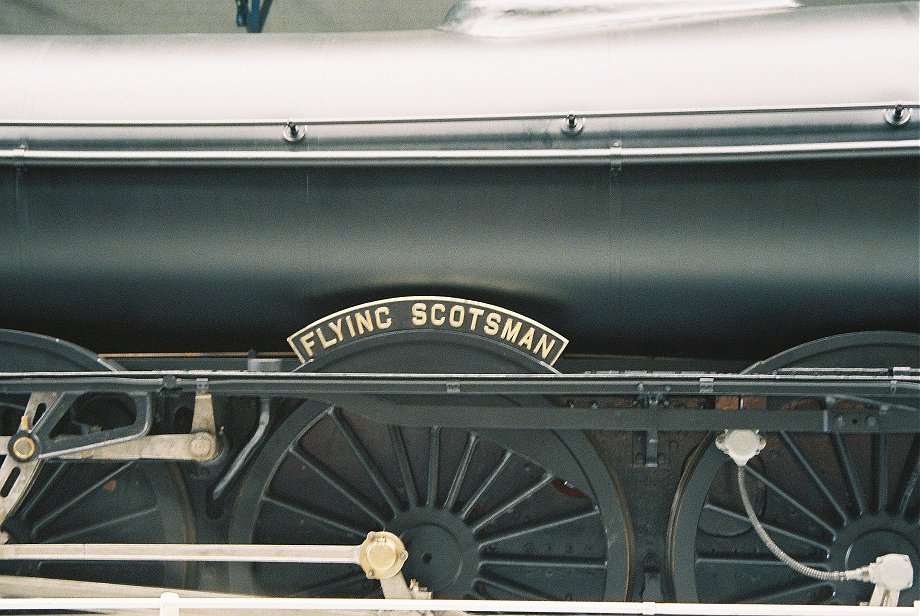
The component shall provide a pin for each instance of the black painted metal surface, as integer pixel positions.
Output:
(739, 260)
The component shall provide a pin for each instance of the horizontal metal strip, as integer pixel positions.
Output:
(588, 156)
(551, 115)
(274, 383)
(627, 420)
(455, 607)
(363, 394)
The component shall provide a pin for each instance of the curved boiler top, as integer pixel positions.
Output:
(775, 77)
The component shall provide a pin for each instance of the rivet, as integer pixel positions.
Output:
(572, 125)
(899, 115)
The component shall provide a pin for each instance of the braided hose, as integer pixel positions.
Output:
(828, 576)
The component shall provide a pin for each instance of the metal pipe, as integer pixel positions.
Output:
(217, 494)
(550, 115)
(598, 156)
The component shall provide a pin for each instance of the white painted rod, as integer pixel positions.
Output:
(182, 552)
(170, 602)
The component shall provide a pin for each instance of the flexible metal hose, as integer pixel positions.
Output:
(828, 576)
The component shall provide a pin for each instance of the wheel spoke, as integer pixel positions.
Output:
(405, 467)
(564, 563)
(36, 496)
(465, 512)
(460, 475)
(512, 588)
(374, 593)
(58, 511)
(365, 460)
(536, 528)
(434, 446)
(777, 595)
(340, 486)
(911, 483)
(850, 473)
(815, 477)
(756, 561)
(511, 503)
(881, 472)
(108, 523)
(792, 501)
(306, 513)
(349, 579)
(773, 529)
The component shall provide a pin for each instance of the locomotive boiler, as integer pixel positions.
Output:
(629, 208)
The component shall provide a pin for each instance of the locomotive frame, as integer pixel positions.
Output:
(627, 418)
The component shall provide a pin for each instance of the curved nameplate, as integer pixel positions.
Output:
(432, 314)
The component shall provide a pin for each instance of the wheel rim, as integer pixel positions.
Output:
(478, 518)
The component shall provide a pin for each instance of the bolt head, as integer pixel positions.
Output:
(899, 115)
(202, 446)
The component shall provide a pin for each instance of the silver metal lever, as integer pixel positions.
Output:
(381, 555)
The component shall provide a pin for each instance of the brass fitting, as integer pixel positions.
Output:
(382, 555)
(23, 448)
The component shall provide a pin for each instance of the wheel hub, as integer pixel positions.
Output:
(435, 556)
(866, 539)
(442, 549)
(882, 537)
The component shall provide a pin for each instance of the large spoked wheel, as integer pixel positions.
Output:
(478, 518)
(834, 502)
(123, 502)
(483, 514)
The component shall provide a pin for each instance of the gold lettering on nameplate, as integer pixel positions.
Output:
(445, 314)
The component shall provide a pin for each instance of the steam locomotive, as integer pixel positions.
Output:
(663, 220)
